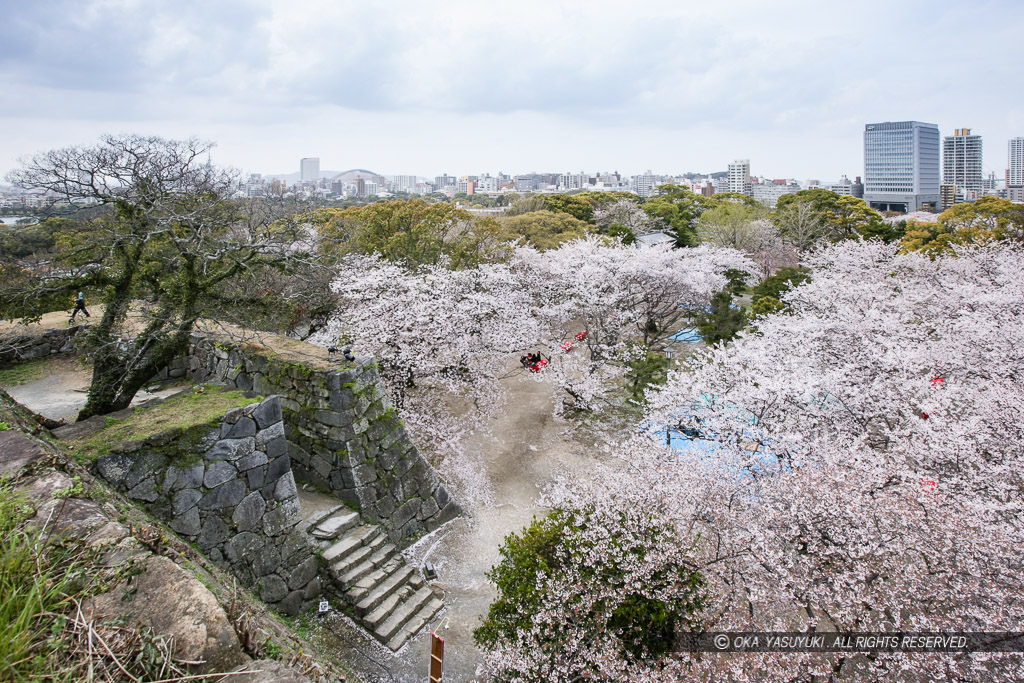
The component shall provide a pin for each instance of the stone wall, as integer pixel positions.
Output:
(343, 436)
(231, 491)
(21, 348)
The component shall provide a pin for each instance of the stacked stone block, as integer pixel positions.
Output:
(232, 492)
(21, 348)
(342, 434)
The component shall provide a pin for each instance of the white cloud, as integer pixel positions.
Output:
(666, 85)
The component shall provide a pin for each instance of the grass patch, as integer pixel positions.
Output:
(38, 581)
(204, 405)
(24, 373)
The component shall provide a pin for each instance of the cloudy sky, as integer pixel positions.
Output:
(470, 87)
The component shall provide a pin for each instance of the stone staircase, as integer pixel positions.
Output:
(390, 599)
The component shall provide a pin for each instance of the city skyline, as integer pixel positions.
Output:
(426, 90)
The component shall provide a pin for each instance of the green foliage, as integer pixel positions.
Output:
(651, 369)
(727, 223)
(22, 241)
(722, 322)
(883, 230)
(576, 205)
(579, 205)
(623, 233)
(737, 280)
(36, 581)
(679, 208)
(766, 305)
(534, 559)
(779, 282)
(987, 219)
(736, 198)
(415, 232)
(544, 229)
(840, 216)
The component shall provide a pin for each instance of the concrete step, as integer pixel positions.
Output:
(371, 544)
(416, 623)
(380, 592)
(355, 538)
(318, 517)
(402, 613)
(383, 611)
(352, 572)
(360, 588)
(335, 525)
(354, 559)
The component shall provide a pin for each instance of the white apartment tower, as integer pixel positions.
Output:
(739, 176)
(1015, 163)
(309, 169)
(901, 165)
(961, 160)
(645, 184)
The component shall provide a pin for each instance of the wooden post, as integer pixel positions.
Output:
(436, 657)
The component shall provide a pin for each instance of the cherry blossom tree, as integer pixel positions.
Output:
(443, 340)
(602, 304)
(628, 214)
(859, 470)
(864, 468)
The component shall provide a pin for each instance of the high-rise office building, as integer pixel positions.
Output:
(309, 169)
(1015, 163)
(901, 165)
(961, 160)
(739, 176)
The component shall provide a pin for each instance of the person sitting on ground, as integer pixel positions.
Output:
(79, 306)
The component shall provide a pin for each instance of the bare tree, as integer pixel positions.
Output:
(171, 245)
(800, 225)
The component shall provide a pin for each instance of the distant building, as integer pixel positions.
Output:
(404, 183)
(1015, 164)
(739, 176)
(443, 181)
(948, 192)
(961, 160)
(309, 169)
(645, 183)
(525, 183)
(654, 238)
(901, 165)
(857, 189)
(842, 186)
(768, 193)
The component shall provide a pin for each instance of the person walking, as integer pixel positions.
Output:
(79, 306)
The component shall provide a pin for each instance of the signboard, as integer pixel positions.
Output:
(436, 657)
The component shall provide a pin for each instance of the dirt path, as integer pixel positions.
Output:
(525, 451)
(61, 392)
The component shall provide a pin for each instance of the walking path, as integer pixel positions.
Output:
(526, 451)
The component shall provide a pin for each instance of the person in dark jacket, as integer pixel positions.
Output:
(79, 306)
